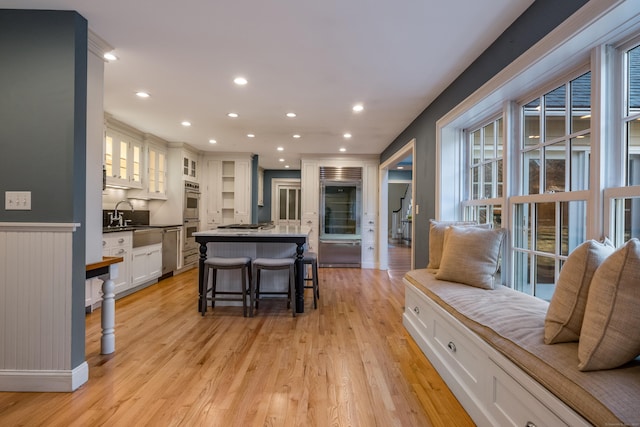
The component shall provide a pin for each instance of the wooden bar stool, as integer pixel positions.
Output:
(220, 263)
(311, 259)
(260, 264)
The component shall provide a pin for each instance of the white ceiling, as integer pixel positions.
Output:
(315, 58)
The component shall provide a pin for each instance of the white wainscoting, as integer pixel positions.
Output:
(35, 306)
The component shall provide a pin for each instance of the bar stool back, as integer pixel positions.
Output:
(220, 263)
(260, 264)
(311, 259)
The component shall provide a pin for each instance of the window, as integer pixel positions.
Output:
(485, 150)
(549, 219)
(623, 202)
(570, 110)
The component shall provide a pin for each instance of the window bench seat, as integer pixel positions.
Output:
(488, 347)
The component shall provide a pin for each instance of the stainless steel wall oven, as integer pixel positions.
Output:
(191, 218)
(191, 200)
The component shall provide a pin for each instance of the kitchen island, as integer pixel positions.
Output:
(254, 240)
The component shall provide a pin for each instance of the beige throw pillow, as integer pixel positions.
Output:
(566, 310)
(436, 238)
(610, 335)
(471, 255)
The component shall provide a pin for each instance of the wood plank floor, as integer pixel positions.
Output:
(348, 363)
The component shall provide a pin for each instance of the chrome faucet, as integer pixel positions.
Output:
(117, 216)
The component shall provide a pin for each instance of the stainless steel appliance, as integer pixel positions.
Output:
(190, 247)
(340, 216)
(191, 218)
(170, 253)
(191, 200)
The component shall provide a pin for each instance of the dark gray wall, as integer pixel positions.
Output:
(43, 87)
(536, 22)
(264, 212)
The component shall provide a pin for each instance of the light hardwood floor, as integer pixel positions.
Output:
(348, 363)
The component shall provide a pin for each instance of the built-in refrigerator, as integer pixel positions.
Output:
(340, 214)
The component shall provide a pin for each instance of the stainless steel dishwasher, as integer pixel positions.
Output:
(170, 253)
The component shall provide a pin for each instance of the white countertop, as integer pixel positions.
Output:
(275, 231)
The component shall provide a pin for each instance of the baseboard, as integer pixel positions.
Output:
(44, 381)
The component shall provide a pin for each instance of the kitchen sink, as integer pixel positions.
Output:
(144, 236)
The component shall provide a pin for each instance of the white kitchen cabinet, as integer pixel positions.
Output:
(214, 194)
(369, 233)
(369, 223)
(123, 159)
(146, 264)
(242, 192)
(92, 292)
(190, 166)
(228, 192)
(157, 172)
(119, 244)
(310, 188)
(310, 201)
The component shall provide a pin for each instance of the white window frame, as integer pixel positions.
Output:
(582, 39)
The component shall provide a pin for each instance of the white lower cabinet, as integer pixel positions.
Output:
(92, 292)
(146, 264)
(369, 231)
(119, 244)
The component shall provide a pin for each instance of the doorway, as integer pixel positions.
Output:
(397, 176)
(285, 209)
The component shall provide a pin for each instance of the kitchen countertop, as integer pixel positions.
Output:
(274, 231)
(137, 227)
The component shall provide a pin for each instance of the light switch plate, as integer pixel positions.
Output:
(17, 200)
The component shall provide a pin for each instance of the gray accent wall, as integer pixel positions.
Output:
(43, 87)
(264, 212)
(536, 22)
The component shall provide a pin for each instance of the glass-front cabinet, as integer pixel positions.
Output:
(157, 172)
(123, 160)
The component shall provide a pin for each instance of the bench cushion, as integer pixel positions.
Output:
(513, 324)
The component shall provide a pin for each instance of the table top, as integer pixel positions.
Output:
(275, 231)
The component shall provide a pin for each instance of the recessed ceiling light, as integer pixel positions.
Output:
(212, 141)
(286, 166)
(280, 148)
(186, 123)
(358, 107)
(142, 94)
(250, 135)
(281, 160)
(291, 115)
(240, 81)
(347, 135)
(400, 167)
(109, 56)
(233, 115)
(296, 136)
(343, 149)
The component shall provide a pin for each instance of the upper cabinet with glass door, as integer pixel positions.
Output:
(157, 180)
(123, 160)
